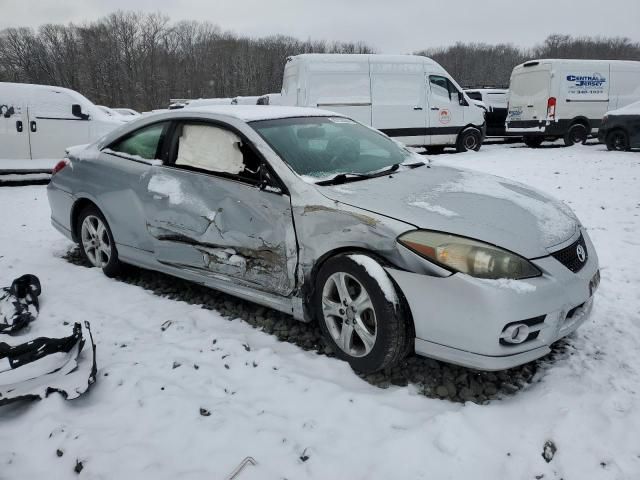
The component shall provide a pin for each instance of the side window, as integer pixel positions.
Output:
(142, 143)
(51, 104)
(216, 150)
(442, 87)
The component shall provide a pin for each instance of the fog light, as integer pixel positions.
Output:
(517, 333)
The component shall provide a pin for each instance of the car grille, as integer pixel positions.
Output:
(569, 257)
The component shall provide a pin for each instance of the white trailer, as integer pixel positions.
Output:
(557, 98)
(408, 97)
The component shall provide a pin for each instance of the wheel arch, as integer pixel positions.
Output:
(309, 285)
(78, 206)
(581, 120)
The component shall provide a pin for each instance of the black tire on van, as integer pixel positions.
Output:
(469, 139)
(577, 133)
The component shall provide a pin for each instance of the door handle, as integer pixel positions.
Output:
(417, 108)
(435, 108)
(32, 126)
(19, 126)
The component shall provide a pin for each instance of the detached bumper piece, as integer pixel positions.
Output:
(44, 365)
(19, 304)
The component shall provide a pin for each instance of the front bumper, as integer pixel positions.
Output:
(459, 319)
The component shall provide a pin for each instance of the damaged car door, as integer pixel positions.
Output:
(215, 207)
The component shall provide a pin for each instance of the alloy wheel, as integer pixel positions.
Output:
(349, 314)
(95, 241)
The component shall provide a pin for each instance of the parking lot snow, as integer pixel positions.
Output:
(184, 393)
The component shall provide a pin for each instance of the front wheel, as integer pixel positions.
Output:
(96, 241)
(470, 139)
(617, 140)
(359, 312)
(577, 133)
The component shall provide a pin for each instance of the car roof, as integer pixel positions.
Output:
(250, 113)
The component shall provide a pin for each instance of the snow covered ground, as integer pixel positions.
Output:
(303, 415)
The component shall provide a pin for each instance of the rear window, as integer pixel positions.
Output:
(142, 143)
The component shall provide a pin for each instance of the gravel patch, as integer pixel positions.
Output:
(433, 378)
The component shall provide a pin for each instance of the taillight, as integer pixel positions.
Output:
(551, 108)
(60, 165)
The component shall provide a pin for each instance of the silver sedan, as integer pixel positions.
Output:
(313, 214)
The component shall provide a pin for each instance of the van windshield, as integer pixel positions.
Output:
(321, 147)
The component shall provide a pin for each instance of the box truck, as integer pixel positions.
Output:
(38, 122)
(555, 98)
(408, 97)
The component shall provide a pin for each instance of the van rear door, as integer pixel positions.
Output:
(529, 89)
(14, 131)
(398, 101)
(52, 126)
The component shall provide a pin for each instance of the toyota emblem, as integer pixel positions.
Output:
(582, 255)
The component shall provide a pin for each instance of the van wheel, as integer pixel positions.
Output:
(577, 133)
(352, 305)
(469, 139)
(617, 140)
(96, 241)
(533, 142)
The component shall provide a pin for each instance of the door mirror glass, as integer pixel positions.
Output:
(461, 100)
(76, 111)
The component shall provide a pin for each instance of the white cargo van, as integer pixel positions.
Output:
(555, 98)
(38, 122)
(496, 100)
(408, 97)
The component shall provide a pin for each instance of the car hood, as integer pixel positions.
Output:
(465, 202)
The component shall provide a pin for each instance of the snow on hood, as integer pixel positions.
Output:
(464, 202)
(631, 109)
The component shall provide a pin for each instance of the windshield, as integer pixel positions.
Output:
(321, 147)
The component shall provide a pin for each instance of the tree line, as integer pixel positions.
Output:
(142, 60)
(479, 64)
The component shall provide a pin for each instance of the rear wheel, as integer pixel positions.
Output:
(533, 142)
(359, 312)
(617, 140)
(577, 133)
(96, 241)
(470, 139)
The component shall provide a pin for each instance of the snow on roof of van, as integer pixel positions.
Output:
(372, 57)
(536, 61)
(250, 113)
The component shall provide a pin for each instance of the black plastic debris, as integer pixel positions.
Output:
(41, 366)
(19, 304)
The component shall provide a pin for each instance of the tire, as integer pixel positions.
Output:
(96, 241)
(533, 142)
(370, 333)
(470, 139)
(434, 149)
(617, 140)
(577, 133)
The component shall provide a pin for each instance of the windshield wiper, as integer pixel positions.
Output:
(354, 177)
(344, 178)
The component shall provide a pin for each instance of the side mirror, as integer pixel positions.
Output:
(461, 100)
(76, 111)
(266, 181)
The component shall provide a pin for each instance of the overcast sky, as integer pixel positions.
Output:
(391, 26)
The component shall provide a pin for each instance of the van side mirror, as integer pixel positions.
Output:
(76, 111)
(461, 100)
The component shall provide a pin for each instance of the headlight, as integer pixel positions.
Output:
(465, 255)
